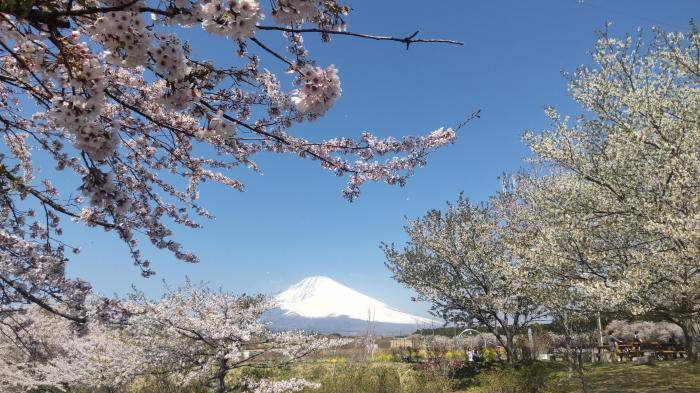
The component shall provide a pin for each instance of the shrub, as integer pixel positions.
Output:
(161, 384)
(535, 377)
(491, 355)
(377, 378)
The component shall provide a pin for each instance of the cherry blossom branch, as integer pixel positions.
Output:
(25, 66)
(39, 302)
(52, 18)
(279, 139)
(133, 108)
(408, 40)
(45, 200)
(272, 52)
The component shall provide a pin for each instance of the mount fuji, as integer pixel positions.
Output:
(321, 304)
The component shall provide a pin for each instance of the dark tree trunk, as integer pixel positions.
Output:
(221, 377)
(690, 334)
(511, 352)
(574, 354)
(581, 375)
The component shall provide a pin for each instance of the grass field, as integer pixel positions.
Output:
(661, 377)
(539, 377)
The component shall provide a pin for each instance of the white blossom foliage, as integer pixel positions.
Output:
(289, 385)
(198, 334)
(236, 19)
(291, 12)
(459, 261)
(319, 89)
(41, 350)
(617, 212)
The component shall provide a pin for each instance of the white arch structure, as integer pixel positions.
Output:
(461, 334)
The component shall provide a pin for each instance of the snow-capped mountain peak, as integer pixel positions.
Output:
(323, 297)
(305, 288)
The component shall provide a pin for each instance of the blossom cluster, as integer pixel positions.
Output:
(288, 385)
(295, 12)
(235, 19)
(319, 89)
(220, 127)
(34, 270)
(277, 101)
(80, 115)
(180, 95)
(99, 187)
(124, 36)
(169, 59)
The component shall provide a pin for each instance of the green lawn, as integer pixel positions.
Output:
(661, 377)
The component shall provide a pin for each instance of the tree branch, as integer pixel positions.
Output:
(408, 40)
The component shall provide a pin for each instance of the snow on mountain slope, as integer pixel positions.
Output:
(322, 297)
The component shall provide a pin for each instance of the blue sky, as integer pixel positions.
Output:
(291, 222)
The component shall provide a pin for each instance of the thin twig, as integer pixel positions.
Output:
(408, 40)
(272, 52)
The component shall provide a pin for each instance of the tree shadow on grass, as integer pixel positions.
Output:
(661, 377)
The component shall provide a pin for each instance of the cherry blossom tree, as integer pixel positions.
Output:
(620, 212)
(42, 351)
(581, 264)
(109, 92)
(460, 262)
(192, 334)
(648, 331)
(197, 334)
(540, 236)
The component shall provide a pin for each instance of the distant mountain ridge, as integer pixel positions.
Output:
(323, 305)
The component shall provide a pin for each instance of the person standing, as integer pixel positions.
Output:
(636, 338)
(612, 345)
(470, 354)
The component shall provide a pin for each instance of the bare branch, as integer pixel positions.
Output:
(408, 40)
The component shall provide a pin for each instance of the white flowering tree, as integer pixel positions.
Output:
(621, 208)
(197, 334)
(42, 351)
(460, 262)
(581, 263)
(109, 92)
(648, 331)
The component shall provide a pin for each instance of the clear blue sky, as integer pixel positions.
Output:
(292, 221)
